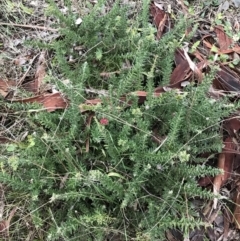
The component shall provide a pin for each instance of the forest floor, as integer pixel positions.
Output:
(25, 66)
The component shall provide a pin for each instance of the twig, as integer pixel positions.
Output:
(29, 26)
(95, 91)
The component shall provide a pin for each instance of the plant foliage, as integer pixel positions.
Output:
(127, 183)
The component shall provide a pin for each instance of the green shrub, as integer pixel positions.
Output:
(127, 184)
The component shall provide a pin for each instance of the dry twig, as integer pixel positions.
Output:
(29, 26)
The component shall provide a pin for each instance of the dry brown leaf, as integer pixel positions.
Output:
(198, 55)
(142, 95)
(226, 79)
(235, 48)
(161, 27)
(216, 49)
(205, 181)
(50, 101)
(224, 40)
(193, 66)
(30, 86)
(183, 68)
(4, 139)
(159, 19)
(225, 163)
(54, 101)
(5, 87)
(179, 73)
(207, 44)
(179, 56)
(232, 126)
(5, 224)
